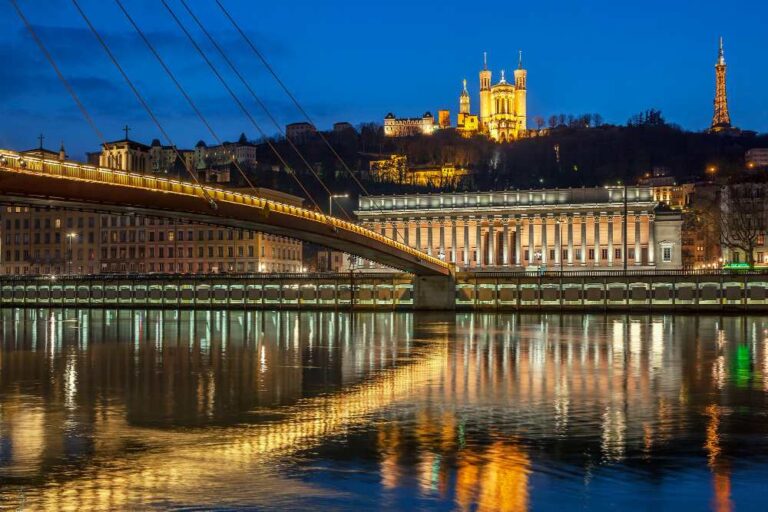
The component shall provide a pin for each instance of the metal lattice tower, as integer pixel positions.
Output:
(721, 120)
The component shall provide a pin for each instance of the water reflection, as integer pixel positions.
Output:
(111, 409)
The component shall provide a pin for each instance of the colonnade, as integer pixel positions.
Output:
(554, 240)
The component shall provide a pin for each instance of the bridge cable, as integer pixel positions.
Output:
(301, 109)
(181, 89)
(143, 102)
(61, 76)
(261, 104)
(242, 107)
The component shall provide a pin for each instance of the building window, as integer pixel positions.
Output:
(591, 254)
(617, 254)
(666, 253)
(630, 254)
(604, 254)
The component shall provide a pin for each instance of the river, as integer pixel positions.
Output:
(120, 409)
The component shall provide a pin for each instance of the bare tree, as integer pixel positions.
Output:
(552, 121)
(539, 122)
(597, 119)
(743, 217)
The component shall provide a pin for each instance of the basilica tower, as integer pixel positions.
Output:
(485, 94)
(520, 93)
(464, 100)
(721, 120)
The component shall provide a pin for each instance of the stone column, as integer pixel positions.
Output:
(479, 243)
(466, 241)
(505, 243)
(531, 255)
(442, 252)
(453, 241)
(570, 240)
(394, 229)
(544, 247)
(558, 245)
(598, 219)
(429, 237)
(583, 220)
(418, 235)
(610, 240)
(407, 231)
(651, 241)
(518, 240)
(491, 241)
(638, 254)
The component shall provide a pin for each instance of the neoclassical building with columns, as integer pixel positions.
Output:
(554, 229)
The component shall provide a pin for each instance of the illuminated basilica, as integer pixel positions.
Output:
(502, 106)
(502, 115)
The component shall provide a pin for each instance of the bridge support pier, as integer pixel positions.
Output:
(436, 293)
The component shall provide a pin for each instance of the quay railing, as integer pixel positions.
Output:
(680, 291)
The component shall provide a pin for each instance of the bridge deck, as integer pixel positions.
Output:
(68, 184)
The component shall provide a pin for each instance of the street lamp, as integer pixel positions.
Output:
(331, 197)
(330, 201)
(70, 237)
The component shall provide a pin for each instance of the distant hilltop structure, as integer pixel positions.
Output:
(721, 119)
(502, 116)
(408, 126)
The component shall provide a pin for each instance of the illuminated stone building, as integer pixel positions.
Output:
(395, 169)
(502, 117)
(211, 163)
(503, 106)
(216, 164)
(443, 119)
(570, 229)
(408, 126)
(133, 156)
(125, 155)
(52, 241)
(467, 124)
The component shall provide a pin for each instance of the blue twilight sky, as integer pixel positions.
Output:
(357, 60)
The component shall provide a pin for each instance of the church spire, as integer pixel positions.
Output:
(520, 59)
(485, 61)
(464, 82)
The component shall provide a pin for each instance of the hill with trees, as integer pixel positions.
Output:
(571, 152)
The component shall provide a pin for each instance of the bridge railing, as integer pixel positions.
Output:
(89, 173)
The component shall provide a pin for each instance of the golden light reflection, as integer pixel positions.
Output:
(190, 462)
(450, 417)
(721, 478)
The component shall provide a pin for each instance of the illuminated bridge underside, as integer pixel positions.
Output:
(64, 184)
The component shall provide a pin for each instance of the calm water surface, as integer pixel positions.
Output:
(152, 409)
